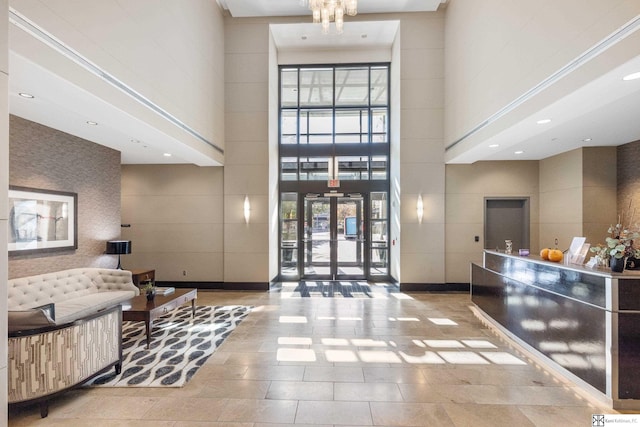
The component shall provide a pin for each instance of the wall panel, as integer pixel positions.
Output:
(467, 186)
(175, 213)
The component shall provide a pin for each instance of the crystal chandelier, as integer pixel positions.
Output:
(325, 11)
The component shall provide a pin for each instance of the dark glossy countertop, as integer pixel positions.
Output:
(604, 272)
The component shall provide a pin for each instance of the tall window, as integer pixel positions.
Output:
(344, 109)
(334, 135)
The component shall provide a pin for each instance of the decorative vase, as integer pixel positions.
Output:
(508, 246)
(617, 264)
(151, 295)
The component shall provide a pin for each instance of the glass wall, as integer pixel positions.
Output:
(334, 142)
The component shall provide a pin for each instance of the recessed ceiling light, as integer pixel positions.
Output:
(586, 139)
(494, 146)
(543, 121)
(518, 152)
(167, 154)
(633, 76)
(92, 123)
(26, 95)
(364, 36)
(135, 141)
(303, 37)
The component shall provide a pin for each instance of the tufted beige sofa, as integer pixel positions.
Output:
(76, 337)
(75, 293)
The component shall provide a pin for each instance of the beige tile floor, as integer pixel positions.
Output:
(418, 359)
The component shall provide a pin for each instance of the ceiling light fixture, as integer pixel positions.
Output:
(26, 95)
(326, 11)
(494, 146)
(633, 76)
(167, 154)
(587, 140)
(543, 121)
(518, 152)
(92, 123)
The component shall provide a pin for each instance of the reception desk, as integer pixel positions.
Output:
(584, 323)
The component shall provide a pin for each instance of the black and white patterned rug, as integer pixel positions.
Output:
(179, 346)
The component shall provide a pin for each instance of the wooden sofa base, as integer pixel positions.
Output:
(44, 363)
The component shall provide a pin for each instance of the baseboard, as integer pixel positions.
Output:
(227, 286)
(246, 286)
(434, 287)
(264, 286)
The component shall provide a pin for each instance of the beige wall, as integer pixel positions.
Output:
(44, 158)
(571, 194)
(422, 169)
(4, 184)
(577, 196)
(246, 170)
(498, 50)
(561, 199)
(176, 218)
(466, 188)
(421, 164)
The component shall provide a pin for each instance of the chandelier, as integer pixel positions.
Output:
(326, 11)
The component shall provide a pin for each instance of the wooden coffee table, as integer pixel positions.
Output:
(139, 309)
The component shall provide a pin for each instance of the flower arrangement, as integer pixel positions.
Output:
(619, 243)
(149, 289)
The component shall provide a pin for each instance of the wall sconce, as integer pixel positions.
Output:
(246, 209)
(420, 208)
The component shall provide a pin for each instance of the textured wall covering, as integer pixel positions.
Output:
(629, 178)
(41, 157)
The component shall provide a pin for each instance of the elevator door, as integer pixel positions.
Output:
(506, 218)
(334, 241)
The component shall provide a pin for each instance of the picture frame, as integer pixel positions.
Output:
(42, 220)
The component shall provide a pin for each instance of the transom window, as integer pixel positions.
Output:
(334, 115)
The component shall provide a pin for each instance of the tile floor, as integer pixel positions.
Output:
(417, 359)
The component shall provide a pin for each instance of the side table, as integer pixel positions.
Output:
(142, 275)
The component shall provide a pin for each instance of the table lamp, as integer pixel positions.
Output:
(118, 247)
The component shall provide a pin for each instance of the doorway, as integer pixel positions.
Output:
(333, 242)
(506, 218)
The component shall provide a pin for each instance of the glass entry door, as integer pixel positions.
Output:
(333, 238)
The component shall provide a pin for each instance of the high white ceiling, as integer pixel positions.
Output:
(250, 8)
(604, 110)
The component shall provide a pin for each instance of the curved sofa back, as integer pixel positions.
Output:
(34, 291)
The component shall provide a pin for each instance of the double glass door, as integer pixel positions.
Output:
(333, 243)
(324, 237)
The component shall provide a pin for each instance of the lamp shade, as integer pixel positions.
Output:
(119, 247)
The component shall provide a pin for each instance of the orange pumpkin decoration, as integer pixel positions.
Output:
(555, 255)
(544, 254)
